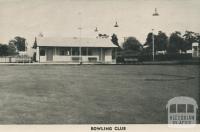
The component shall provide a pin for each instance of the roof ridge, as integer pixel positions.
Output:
(53, 37)
(74, 42)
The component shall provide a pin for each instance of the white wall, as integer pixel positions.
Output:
(37, 54)
(43, 59)
(195, 50)
(61, 58)
(40, 58)
(69, 58)
(108, 55)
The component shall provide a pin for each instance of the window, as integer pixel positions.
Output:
(181, 108)
(89, 51)
(75, 51)
(173, 108)
(62, 52)
(65, 51)
(190, 108)
(42, 52)
(68, 51)
(83, 51)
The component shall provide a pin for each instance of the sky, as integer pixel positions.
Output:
(61, 18)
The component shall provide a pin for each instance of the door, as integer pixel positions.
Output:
(49, 54)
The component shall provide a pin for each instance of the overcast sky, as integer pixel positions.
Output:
(61, 18)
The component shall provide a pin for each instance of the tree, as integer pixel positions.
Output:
(7, 50)
(189, 38)
(133, 44)
(176, 43)
(11, 49)
(114, 40)
(148, 44)
(197, 37)
(19, 42)
(3, 50)
(131, 48)
(161, 41)
(35, 44)
(149, 40)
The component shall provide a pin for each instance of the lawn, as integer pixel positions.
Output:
(81, 94)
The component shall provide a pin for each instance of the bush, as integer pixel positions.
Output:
(167, 57)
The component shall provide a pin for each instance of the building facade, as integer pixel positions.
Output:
(75, 50)
(195, 50)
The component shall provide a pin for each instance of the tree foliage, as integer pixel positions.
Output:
(160, 41)
(197, 38)
(11, 49)
(189, 38)
(19, 42)
(131, 43)
(114, 40)
(3, 50)
(176, 42)
(149, 40)
(7, 50)
(35, 44)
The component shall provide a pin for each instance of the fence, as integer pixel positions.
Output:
(15, 59)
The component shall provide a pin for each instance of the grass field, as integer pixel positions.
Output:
(73, 94)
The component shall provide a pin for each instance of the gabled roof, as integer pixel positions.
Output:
(74, 42)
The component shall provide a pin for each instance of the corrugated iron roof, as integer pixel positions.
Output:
(74, 42)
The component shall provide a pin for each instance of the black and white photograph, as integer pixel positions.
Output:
(100, 62)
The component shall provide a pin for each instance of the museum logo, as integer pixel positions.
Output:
(181, 112)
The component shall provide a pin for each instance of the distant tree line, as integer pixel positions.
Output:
(7, 50)
(173, 46)
(175, 43)
(13, 47)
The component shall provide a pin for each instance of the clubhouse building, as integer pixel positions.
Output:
(75, 50)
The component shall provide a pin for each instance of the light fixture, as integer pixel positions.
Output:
(155, 13)
(96, 29)
(116, 25)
